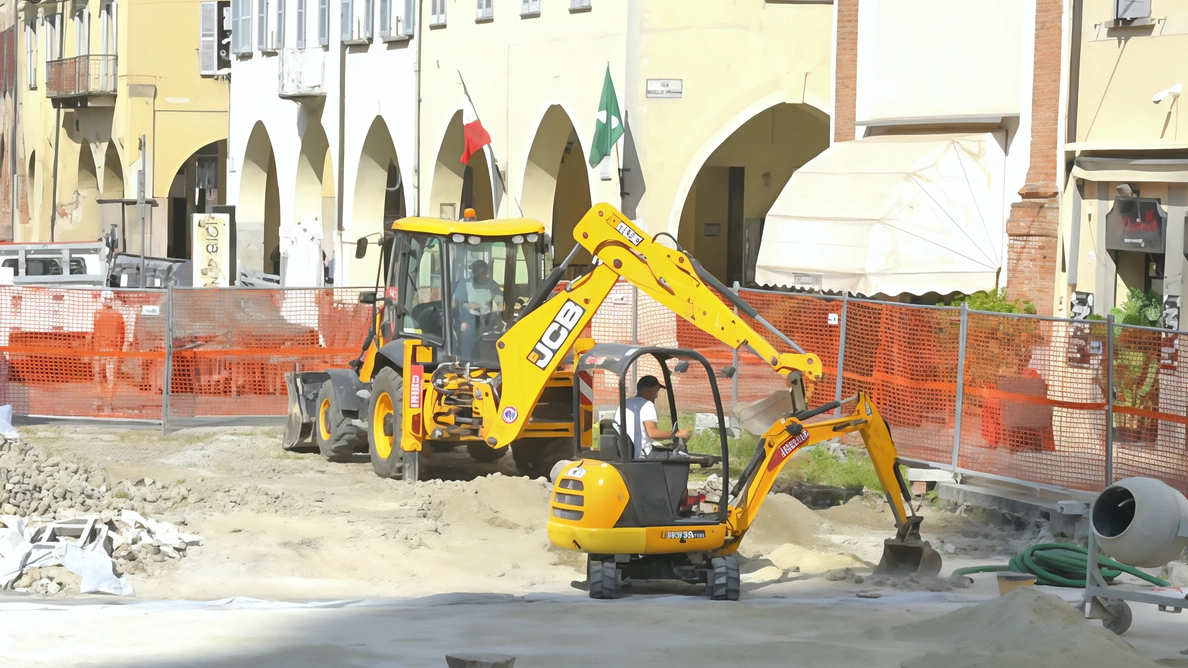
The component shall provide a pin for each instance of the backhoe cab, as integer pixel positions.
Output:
(446, 292)
(633, 514)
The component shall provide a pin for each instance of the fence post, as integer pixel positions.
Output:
(167, 384)
(734, 361)
(1109, 361)
(961, 343)
(841, 352)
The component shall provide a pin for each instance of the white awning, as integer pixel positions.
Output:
(891, 214)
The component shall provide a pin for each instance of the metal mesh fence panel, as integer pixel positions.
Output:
(231, 348)
(1150, 397)
(905, 358)
(82, 353)
(1034, 403)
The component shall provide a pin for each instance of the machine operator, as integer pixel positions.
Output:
(642, 417)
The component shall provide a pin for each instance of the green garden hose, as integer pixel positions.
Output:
(1062, 565)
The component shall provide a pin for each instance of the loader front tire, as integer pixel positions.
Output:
(333, 432)
(535, 457)
(385, 420)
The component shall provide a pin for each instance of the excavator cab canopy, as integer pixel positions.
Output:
(657, 479)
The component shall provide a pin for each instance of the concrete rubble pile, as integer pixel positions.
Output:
(85, 554)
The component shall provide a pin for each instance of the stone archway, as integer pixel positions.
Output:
(556, 187)
(111, 183)
(456, 185)
(380, 197)
(314, 195)
(78, 213)
(257, 214)
(721, 219)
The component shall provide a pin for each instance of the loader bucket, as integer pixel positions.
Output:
(902, 558)
(298, 425)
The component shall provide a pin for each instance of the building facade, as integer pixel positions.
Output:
(939, 136)
(720, 107)
(1126, 195)
(94, 78)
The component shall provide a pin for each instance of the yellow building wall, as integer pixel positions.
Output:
(1119, 77)
(159, 93)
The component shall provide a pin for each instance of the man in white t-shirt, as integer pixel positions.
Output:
(641, 418)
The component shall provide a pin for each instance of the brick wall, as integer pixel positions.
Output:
(846, 70)
(1034, 222)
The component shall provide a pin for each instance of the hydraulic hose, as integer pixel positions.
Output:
(1062, 565)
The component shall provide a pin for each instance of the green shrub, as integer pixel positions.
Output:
(995, 301)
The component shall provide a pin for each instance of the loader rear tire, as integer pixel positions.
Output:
(333, 432)
(725, 583)
(603, 577)
(536, 457)
(385, 423)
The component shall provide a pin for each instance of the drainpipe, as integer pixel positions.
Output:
(13, 183)
(57, 127)
(340, 261)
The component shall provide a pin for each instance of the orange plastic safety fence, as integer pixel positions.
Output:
(231, 348)
(82, 353)
(1034, 406)
(1150, 399)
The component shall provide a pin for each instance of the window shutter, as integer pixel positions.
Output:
(208, 21)
(244, 26)
(368, 18)
(301, 24)
(236, 33)
(347, 19)
(261, 24)
(409, 21)
(323, 22)
(385, 18)
(279, 38)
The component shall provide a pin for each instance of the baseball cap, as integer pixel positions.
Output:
(647, 382)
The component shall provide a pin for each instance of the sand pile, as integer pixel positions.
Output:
(1024, 628)
(782, 520)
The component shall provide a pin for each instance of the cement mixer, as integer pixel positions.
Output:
(1139, 522)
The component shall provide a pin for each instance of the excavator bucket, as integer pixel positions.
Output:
(758, 416)
(908, 554)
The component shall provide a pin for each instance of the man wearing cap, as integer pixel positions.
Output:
(474, 300)
(641, 418)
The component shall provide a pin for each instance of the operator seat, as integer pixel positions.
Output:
(658, 484)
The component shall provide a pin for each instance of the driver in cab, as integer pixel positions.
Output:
(641, 418)
(474, 301)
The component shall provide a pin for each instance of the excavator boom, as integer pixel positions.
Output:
(532, 348)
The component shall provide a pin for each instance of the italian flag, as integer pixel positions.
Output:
(473, 132)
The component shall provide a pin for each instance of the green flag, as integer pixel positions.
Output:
(609, 126)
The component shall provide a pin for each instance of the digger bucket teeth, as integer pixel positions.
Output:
(902, 558)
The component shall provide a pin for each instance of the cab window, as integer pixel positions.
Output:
(420, 288)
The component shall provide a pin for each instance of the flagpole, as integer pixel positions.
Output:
(492, 166)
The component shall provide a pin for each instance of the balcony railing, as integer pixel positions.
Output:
(73, 80)
(302, 73)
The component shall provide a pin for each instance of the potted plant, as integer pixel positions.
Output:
(1136, 367)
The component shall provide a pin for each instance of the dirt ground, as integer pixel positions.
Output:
(461, 563)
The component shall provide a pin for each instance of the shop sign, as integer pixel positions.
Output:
(1136, 224)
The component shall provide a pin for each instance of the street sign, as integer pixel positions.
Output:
(664, 88)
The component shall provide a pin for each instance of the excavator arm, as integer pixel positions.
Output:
(534, 346)
(903, 555)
